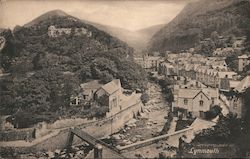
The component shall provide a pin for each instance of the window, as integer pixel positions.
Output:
(235, 103)
(201, 103)
(114, 101)
(235, 106)
(84, 97)
(202, 114)
(212, 100)
(185, 101)
(74, 101)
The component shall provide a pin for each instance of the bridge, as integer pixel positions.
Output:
(172, 139)
(101, 149)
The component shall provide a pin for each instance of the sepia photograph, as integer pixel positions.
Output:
(132, 79)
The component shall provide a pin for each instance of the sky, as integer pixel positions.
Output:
(128, 14)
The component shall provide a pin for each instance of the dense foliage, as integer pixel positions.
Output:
(213, 112)
(232, 62)
(198, 20)
(230, 130)
(45, 72)
(227, 130)
(166, 89)
(208, 47)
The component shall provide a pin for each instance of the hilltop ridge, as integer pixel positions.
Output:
(198, 20)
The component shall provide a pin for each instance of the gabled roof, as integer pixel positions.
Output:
(188, 93)
(243, 85)
(210, 92)
(206, 95)
(112, 86)
(192, 93)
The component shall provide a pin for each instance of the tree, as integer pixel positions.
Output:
(213, 112)
(46, 71)
(207, 48)
(215, 37)
(103, 100)
(70, 88)
(246, 69)
(32, 95)
(144, 98)
(227, 130)
(248, 40)
(232, 62)
(165, 85)
(231, 39)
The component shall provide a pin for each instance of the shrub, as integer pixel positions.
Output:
(144, 98)
(213, 112)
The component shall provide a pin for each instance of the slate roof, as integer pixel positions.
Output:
(112, 86)
(210, 92)
(188, 93)
(192, 93)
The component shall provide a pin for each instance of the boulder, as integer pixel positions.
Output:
(117, 136)
(50, 154)
(134, 139)
(138, 136)
(122, 136)
(162, 155)
(57, 151)
(80, 153)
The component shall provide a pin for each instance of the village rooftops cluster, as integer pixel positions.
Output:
(205, 72)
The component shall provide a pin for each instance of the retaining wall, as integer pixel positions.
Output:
(98, 129)
(19, 134)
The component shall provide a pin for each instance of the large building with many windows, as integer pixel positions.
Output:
(149, 62)
(194, 102)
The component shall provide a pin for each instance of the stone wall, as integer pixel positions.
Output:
(19, 134)
(98, 129)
